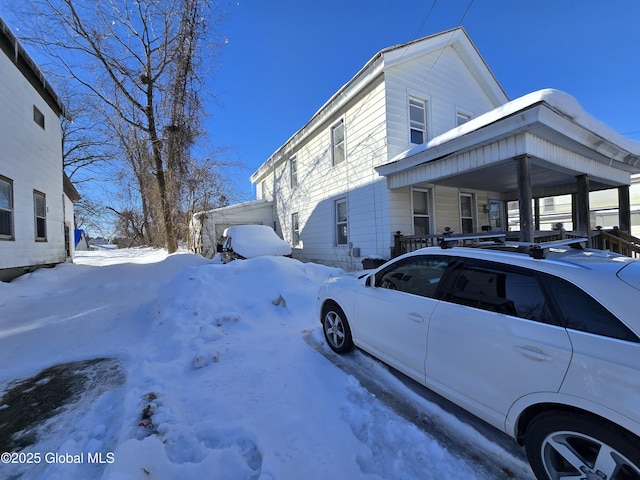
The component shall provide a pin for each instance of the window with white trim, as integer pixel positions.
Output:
(341, 222)
(421, 206)
(338, 152)
(40, 215)
(417, 120)
(295, 230)
(6, 209)
(462, 117)
(293, 171)
(467, 215)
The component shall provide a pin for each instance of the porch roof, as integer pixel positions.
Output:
(549, 126)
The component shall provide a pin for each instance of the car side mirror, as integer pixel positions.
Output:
(370, 281)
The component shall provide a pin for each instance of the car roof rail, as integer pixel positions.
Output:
(539, 250)
(449, 240)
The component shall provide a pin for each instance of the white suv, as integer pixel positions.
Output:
(545, 349)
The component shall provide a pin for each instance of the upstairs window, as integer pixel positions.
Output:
(40, 213)
(462, 117)
(338, 154)
(38, 117)
(417, 120)
(6, 209)
(293, 171)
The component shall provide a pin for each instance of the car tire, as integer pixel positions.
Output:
(336, 328)
(566, 444)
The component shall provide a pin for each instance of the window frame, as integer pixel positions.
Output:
(474, 212)
(10, 211)
(428, 215)
(414, 125)
(293, 171)
(38, 117)
(463, 114)
(37, 217)
(337, 146)
(341, 223)
(295, 229)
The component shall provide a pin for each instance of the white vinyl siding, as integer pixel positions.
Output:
(31, 157)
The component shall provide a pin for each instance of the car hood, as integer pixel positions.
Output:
(630, 274)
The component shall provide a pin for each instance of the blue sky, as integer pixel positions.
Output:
(285, 58)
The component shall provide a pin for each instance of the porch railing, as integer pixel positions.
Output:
(614, 240)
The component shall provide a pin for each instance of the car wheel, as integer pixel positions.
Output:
(568, 445)
(336, 329)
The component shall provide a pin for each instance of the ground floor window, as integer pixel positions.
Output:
(421, 206)
(467, 209)
(6, 209)
(341, 219)
(295, 230)
(40, 212)
(496, 220)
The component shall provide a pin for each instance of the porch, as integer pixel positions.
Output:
(539, 146)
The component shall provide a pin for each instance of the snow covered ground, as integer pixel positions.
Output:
(219, 372)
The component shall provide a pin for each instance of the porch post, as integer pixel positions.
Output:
(536, 214)
(525, 196)
(624, 209)
(582, 205)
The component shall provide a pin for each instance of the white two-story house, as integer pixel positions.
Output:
(36, 210)
(422, 139)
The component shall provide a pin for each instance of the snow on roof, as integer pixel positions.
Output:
(560, 101)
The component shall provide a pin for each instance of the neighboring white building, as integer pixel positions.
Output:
(36, 209)
(423, 138)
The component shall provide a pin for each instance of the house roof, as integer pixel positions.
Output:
(12, 48)
(549, 126)
(456, 38)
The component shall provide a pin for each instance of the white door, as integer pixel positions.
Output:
(393, 315)
(491, 341)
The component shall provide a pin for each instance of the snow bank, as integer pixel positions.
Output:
(217, 382)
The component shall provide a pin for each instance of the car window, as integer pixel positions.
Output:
(580, 311)
(499, 289)
(415, 275)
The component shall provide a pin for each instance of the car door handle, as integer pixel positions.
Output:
(416, 317)
(534, 353)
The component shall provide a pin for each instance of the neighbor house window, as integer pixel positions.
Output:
(40, 212)
(295, 230)
(38, 116)
(467, 212)
(6, 209)
(338, 153)
(462, 117)
(342, 225)
(293, 171)
(417, 120)
(421, 205)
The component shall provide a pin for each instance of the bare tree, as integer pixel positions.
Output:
(140, 59)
